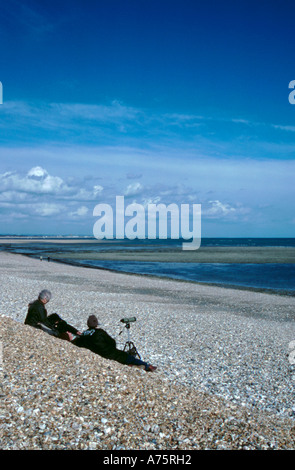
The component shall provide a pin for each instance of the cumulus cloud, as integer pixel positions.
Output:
(37, 172)
(37, 181)
(37, 193)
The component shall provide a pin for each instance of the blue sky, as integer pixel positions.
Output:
(160, 101)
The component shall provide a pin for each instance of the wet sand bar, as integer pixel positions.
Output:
(205, 254)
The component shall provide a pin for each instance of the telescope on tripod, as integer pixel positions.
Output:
(129, 345)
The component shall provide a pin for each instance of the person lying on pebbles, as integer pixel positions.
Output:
(100, 342)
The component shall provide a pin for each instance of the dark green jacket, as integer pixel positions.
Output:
(37, 313)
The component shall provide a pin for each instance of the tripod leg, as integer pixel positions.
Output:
(131, 349)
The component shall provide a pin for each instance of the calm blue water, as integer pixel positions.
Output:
(275, 277)
(279, 277)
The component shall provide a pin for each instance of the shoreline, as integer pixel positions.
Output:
(228, 345)
(69, 262)
(153, 277)
(162, 276)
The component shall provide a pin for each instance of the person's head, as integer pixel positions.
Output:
(92, 321)
(44, 296)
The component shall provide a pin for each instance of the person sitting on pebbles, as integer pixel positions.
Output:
(52, 324)
(100, 342)
(37, 313)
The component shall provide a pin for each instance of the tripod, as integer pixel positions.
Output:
(129, 345)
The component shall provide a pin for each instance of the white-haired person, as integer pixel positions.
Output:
(37, 313)
(52, 324)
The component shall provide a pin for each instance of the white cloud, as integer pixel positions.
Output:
(7, 196)
(218, 209)
(133, 189)
(47, 209)
(37, 172)
(152, 200)
(80, 212)
(36, 193)
(74, 119)
(229, 190)
(97, 189)
(284, 128)
(37, 181)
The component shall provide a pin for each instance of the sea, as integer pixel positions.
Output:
(270, 277)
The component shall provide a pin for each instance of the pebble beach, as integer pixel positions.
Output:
(224, 378)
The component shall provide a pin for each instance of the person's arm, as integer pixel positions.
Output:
(73, 330)
(83, 339)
